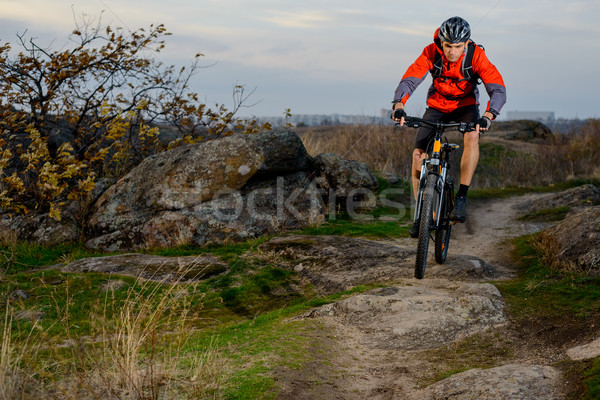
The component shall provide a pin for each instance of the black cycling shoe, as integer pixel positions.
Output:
(414, 230)
(459, 213)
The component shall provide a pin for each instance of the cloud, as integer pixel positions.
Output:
(412, 31)
(304, 19)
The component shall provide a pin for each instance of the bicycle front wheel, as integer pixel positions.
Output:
(427, 218)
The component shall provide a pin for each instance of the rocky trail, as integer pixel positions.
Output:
(394, 342)
(447, 336)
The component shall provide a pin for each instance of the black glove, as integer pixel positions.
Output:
(484, 123)
(399, 113)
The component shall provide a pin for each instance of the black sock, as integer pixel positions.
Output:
(462, 190)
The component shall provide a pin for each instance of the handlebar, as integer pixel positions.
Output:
(463, 127)
(414, 122)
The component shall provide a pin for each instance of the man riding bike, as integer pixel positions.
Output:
(456, 64)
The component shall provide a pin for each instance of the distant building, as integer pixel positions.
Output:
(546, 117)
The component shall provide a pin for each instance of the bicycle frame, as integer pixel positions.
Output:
(436, 164)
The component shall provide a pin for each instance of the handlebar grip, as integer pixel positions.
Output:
(412, 122)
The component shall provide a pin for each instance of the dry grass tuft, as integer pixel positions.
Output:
(135, 351)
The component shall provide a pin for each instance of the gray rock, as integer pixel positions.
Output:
(575, 199)
(227, 189)
(585, 352)
(513, 381)
(156, 268)
(230, 189)
(19, 294)
(572, 245)
(38, 228)
(419, 316)
(345, 178)
(260, 208)
(190, 175)
(336, 263)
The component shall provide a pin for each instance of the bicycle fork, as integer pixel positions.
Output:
(440, 188)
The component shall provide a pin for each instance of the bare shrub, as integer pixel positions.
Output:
(89, 110)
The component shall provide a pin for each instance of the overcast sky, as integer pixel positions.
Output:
(347, 56)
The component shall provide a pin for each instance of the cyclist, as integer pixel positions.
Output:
(451, 97)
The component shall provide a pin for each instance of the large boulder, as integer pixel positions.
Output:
(229, 189)
(190, 175)
(525, 130)
(572, 245)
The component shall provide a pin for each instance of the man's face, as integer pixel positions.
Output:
(453, 51)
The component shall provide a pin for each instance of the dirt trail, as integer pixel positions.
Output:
(375, 345)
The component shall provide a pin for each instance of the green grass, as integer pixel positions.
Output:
(25, 256)
(226, 252)
(60, 304)
(256, 346)
(244, 312)
(388, 220)
(546, 214)
(592, 380)
(379, 229)
(543, 292)
(509, 191)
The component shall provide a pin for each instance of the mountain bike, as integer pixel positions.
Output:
(435, 197)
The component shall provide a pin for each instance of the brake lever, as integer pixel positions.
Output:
(465, 127)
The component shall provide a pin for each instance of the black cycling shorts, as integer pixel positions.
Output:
(462, 114)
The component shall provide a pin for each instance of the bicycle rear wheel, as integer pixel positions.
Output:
(427, 210)
(442, 234)
(442, 240)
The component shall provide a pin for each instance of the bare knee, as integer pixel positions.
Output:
(418, 157)
(471, 139)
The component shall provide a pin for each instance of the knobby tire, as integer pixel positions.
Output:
(425, 225)
(442, 240)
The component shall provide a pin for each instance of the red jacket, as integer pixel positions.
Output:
(448, 92)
